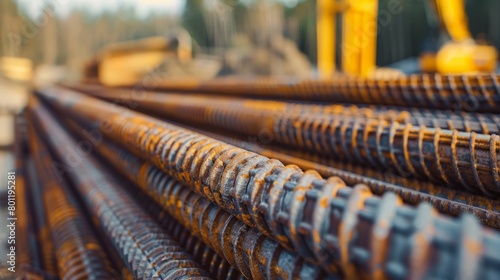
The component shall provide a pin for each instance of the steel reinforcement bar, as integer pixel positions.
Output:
(464, 121)
(217, 265)
(323, 219)
(256, 256)
(28, 256)
(245, 248)
(47, 249)
(144, 246)
(412, 191)
(465, 160)
(175, 104)
(78, 252)
(476, 93)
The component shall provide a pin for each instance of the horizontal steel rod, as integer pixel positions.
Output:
(256, 256)
(346, 227)
(461, 160)
(78, 251)
(462, 121)
(412, 191)
(145, 247)
(475, 93)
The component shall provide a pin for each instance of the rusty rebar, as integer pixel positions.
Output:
(257, 256)
(461, 160)
(145, 247)
(476, 93)
(464, 121)
(412, 191)
(216, 265)
(245, 248)
(322, 219)
(28, 256)
(47, 249)
(181, 107)
(78, 252)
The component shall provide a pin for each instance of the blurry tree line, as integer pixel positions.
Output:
(399, 36)
(215, 25)
(72, 39)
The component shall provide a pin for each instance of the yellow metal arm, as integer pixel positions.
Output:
(325, 26)
(452, 13)
(462, 55)
(359, 37)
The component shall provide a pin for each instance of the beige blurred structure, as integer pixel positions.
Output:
(126, 63)
(16, 68)
(15, 76)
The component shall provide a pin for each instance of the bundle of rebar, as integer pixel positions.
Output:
(258, 214)
(459, 159)
(474, 93)
(268, 179)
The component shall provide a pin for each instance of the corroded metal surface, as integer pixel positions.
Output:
(47, 250)
(452, 119)
(216, 265)
(479, 93)
(27, 248)
(342, 228)
(245, 248)
(467, 161)
(216, 111)
(78, 252)
(411, 191)
(145, 247)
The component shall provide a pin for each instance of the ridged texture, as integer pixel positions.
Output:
(44, 239)
(78, 252)
(459, 120)
(411, 191)
(216, 265)
(27, 247)
(342, 228)
(461, 160)
(144, 246)
(245, 248)
(212, 110)
(478, 93)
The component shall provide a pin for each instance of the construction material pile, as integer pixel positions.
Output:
(269, 179)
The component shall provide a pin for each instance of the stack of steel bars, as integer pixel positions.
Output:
(143, 184)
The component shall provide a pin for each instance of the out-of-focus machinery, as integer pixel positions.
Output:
(125, 63)
(359, 35)
(459, 54)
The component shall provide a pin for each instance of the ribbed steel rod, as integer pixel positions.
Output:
(217, 265)
(27, 247)
(412, 191)
(464, 121)
(172, 104)
(476, 93)
(256, 256)
(323, 219)
(460, 160)
(222, 269)
(78, 252)
(145, 247)
(47, 249)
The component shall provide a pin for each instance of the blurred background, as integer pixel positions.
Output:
(118, 43)
(58, 38)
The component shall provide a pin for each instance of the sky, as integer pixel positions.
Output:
(143, 7)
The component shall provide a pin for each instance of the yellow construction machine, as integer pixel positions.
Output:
(461, 54)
